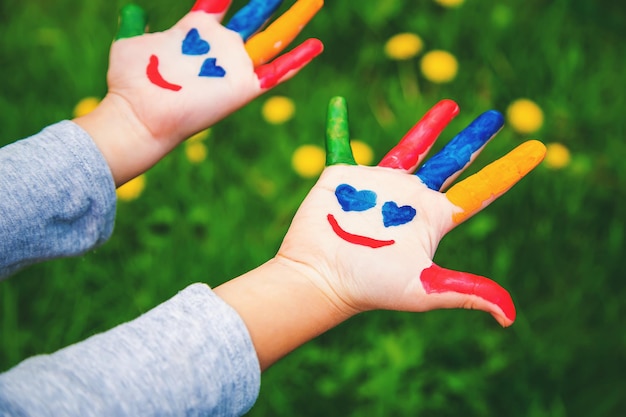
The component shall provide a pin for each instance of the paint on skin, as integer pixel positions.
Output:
(132, 22)
(338, 150)
(396, 216)
(265, 45)
(284, 66)
(211, 6)
(406, 154)
(356, 239)
(437, 280)
(352, 200)
(193, 44)
(211, 69)
(155, 76)
(252, 17)
(458, 152)
(494, 179)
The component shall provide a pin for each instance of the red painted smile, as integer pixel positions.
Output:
(356, 239)
(155, 76)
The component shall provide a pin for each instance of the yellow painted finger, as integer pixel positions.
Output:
(265, 45)
(480, 189)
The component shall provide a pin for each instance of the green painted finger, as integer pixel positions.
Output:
(338, 150)
(132, 22)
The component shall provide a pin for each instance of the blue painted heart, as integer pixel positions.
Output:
(352, 200)
(193, 44)
(211, 69)
(395, 216)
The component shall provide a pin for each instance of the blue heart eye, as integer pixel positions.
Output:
(352, 200)
(194, 44)
(211, 69)
(395, 216)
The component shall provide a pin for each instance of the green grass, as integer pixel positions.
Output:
(556, 241)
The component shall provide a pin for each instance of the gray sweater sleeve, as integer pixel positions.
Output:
(190, 356)
(57, 197)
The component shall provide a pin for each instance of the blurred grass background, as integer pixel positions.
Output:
(556, 241)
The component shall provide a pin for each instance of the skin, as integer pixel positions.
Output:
(321, 277)
(151, 73)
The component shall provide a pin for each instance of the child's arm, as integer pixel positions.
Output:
(364, 238)
(166, 86)
(58, 197)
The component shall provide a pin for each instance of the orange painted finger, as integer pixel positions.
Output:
(266, 45)
(479, 190)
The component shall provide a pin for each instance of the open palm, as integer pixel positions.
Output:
(369, 234)
(182, 80)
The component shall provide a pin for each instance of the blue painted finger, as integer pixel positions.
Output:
(458, 153)
(250, 18)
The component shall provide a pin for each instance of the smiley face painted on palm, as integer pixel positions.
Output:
(192, 45)
(198, 45)
(352, 200)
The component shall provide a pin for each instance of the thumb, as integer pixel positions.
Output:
(454, 289)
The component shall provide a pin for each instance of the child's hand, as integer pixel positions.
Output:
(169, 85)
(366, 236)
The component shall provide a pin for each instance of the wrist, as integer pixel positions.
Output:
(283, 307)
(126, 144)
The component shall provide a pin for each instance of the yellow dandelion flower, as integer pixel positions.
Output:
(132, 189)
(439, 66)
(450, 3)
(308, 161)
(403, 46)
(557, 156)
(278, 109)
(200, 136)
(363, 154)
(85, 106)
(196, 152)
(525, 116)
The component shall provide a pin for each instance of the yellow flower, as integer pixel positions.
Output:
(195, 150)
(308, 160)
(450, 3)
(403, 46)
(439, 66)
(525, 116)
(363, 154)
(278, 109)
(85, 106)
(202, 135)
(132, 189)
(557, 156)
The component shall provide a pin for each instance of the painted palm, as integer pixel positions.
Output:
(367, 235)
(186, 78)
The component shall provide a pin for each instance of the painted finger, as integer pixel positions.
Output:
(338, 150)
(217, 8)
(479, 190)
(252, 17)
(414, 146)
(266, 45)
(464, 290)
(287, 65)
(447, 164)
(132, 22)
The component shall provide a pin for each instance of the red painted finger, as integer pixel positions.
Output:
(477, 292)
(216, 7)
(412, 148)
(287, 65)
